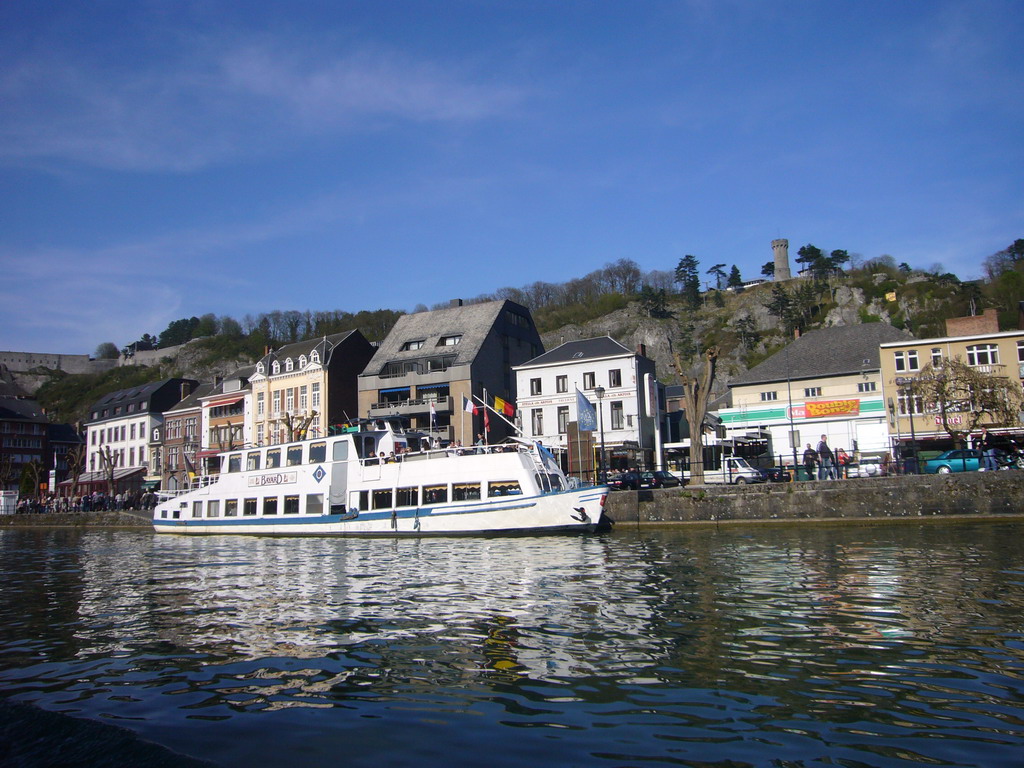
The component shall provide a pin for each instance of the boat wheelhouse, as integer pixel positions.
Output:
(376, 479)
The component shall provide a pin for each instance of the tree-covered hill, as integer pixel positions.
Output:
(665, 311)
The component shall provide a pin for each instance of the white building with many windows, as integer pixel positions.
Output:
(618, 382)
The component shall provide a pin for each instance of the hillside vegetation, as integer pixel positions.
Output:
(663, 311)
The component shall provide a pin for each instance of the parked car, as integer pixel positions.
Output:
(960, 460)
(624, 481)
(869, 466)
(775, 474)
(659, 479)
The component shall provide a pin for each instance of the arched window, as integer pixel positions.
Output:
(276, 367)
(260, 368)
(302, 362)
(314, 356)
(289, 364)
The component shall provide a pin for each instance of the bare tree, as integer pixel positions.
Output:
(76, 466)
(696, 394)
(966, 398)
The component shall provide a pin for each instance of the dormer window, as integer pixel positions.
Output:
(314, 357)
(276, 368)
(450, 341)
(302, 362)
(260, 368)
(289, 364)
(410, 345)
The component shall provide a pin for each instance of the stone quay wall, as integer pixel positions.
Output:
(909, 497)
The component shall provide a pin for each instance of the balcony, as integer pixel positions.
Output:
(412, 407)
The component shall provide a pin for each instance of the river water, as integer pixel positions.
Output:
(755, 646)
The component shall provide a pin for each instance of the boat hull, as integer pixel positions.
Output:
(573, 511)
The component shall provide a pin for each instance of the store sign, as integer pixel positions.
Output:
(825, 408)
(832, 408)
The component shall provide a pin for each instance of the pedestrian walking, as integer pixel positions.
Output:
(826, 468)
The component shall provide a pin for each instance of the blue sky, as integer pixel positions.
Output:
(160, 160)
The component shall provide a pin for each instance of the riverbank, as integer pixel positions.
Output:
(123, 519)
(992, 495)
(910, 497)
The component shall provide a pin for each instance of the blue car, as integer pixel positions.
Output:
(961, 460)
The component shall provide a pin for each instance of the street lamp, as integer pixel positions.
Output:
(905, 384)
(599, 394)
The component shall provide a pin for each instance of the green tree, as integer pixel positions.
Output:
(106, 351)
(768, 270)
(719, 275)
(654, 302)
(735, 279)
(688, 277)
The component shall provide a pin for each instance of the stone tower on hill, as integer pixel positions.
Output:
(780, 248)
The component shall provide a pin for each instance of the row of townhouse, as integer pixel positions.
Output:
(442, 371)
(472, 370)
(855, 384)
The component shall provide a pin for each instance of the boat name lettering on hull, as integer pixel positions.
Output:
(278, 478)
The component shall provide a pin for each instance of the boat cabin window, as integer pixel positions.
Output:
(435, 494)
(213, 508)
(291, 505)
(274, 458)
(294, 456)
(382, 499)
(360, 500)
(231, 508)
(270, 505)
(407, 497)
(253, 461)
(197, 509)
(504, 488)
(340, 451)
(317, 453)
(235, 462)
(465, 491)
(314, 503)
(250, 507)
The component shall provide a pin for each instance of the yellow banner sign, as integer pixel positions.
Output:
(832, 408)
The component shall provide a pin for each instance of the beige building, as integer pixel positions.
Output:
(301, 390)
(976, 341)
(827, 382)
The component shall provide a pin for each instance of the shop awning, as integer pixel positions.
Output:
(227, 401)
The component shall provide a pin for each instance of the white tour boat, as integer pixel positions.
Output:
(378, 480)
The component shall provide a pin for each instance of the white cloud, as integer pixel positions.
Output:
(217, 102)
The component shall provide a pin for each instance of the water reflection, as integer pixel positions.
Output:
(874, 645)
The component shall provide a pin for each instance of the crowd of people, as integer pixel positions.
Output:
(89, 502)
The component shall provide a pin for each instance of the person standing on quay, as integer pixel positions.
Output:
(826, 468)
(810, 461)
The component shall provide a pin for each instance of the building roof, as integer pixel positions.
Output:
(472, 322)
(324, 346)
(193, 401)
(142, 397)
(835, 351)
(21, 409)
(582, 349)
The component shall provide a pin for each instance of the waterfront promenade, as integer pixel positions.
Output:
(903, 497)
(900, 497)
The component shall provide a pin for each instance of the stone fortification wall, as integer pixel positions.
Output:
(25, 362)
(869, 498)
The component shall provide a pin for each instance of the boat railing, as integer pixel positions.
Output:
(202, 481)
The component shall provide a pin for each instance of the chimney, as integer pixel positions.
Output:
(641, 349)
(186, 389)
(796, 334)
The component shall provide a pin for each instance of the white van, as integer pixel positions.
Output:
(734, 470)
